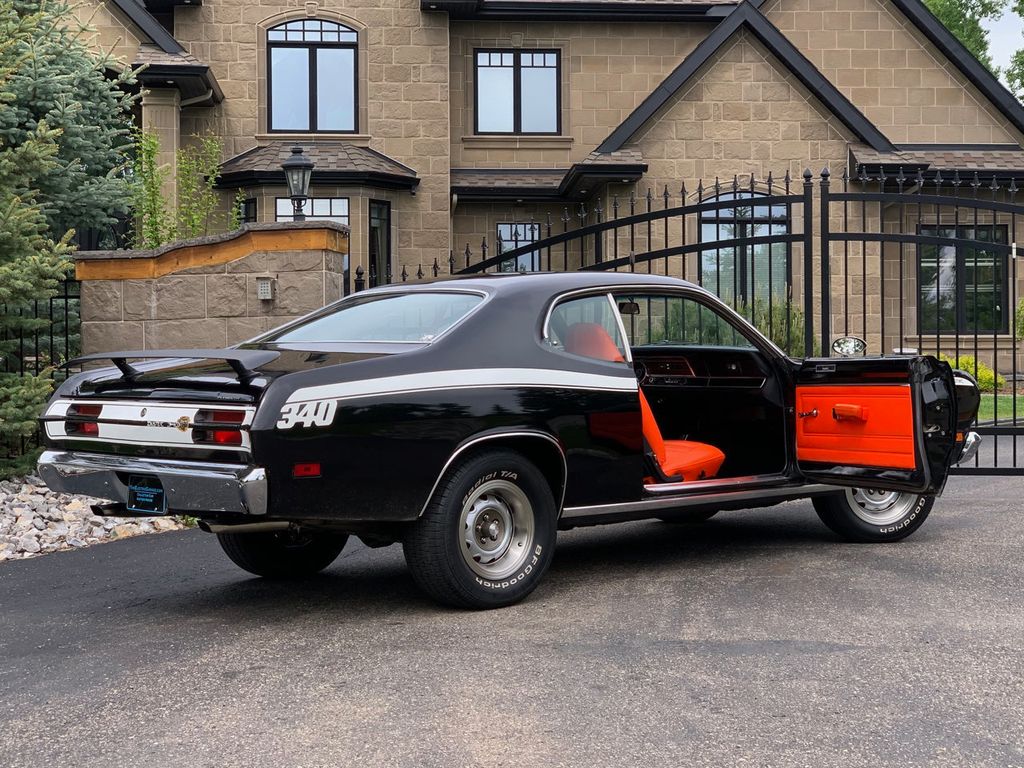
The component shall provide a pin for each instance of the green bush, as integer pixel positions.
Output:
(783, 324)
(988, 380)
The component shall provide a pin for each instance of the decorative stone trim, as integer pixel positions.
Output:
(212, 250)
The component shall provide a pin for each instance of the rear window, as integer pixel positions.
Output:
(402, 317)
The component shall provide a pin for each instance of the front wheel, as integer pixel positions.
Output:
(289, 554)
(488, 536)
(873, 516)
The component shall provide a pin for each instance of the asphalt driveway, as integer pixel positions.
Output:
(755, 639)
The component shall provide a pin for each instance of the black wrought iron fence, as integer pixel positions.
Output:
(40, 337)
(928, 264)
(913, 262)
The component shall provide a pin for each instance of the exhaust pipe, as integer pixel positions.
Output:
(243, 527)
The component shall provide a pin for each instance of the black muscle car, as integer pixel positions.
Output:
(471, 418)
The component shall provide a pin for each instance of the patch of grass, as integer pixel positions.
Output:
(987, 410)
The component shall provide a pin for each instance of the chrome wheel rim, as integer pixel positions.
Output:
(496, 529)
(880, 507)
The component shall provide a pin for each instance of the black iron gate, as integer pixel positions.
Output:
(913, 263)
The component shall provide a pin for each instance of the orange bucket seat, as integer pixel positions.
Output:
(675, 460)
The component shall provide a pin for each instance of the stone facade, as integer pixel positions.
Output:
(891, 72)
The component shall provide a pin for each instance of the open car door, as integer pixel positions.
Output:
(884, 423)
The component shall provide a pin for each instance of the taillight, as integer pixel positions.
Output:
(219, 417)
(226, 436)
(217, 436)
(86, 411)
(81, 420)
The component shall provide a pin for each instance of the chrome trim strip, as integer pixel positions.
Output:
(681, 502)
(190, 486)
(761, 481)
(496, 436)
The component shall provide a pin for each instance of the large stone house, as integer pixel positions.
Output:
(440, 123)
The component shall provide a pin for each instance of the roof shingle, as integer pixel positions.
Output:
(328, 156)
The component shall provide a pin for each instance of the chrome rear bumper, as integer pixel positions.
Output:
(971, 444)
(190, 486)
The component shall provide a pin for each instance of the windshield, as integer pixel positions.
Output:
(402, 317)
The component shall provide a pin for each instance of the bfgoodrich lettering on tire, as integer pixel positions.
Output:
(866, 515)
(488, 535)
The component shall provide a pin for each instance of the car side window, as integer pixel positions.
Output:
(587, 327)
(676, 320)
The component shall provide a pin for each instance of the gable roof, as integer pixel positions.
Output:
(590, 10)
(939, 35)
(747, 16)
(969, 66)
(148, 25)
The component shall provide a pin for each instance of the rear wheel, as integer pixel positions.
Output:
(868, 515)
(488, 536)
(288, 554)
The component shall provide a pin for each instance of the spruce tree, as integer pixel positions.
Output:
(63, 139)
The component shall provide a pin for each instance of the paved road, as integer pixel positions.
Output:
(756, 639)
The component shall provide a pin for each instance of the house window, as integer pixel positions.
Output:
(512, 236)
(247, 210)
(517, 92)
(962, 288)
(312, 77)
(320, 208)
(743, 273)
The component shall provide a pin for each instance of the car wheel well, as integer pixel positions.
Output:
(540, 449)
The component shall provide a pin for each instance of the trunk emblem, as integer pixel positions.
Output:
(182, 424)
(143, 413)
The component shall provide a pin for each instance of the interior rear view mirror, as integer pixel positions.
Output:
(849, 346)
(629, 308)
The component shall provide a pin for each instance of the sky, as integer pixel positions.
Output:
(1005, 36)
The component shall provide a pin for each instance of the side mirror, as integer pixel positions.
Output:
(849, 346)
(629, 308)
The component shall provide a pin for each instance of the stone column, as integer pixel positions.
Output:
(161, 116)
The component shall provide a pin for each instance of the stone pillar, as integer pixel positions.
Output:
(161, 116)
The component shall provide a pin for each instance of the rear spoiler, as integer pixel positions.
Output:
(244, 362)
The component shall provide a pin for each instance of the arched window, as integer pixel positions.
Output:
(745, 270)
(311, 81)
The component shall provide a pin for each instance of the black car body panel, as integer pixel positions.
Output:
(382, 421)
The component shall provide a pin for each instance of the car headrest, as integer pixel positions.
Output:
(592, 340)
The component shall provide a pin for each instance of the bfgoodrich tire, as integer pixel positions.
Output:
(283, 554)
(873, 516)
(488, 536)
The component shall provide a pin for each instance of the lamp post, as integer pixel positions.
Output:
(298, 169)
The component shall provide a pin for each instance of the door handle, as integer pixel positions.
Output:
(849, 412)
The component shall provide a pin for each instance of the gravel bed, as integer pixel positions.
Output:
(34, 520)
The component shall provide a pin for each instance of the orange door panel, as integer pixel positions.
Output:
(856, 425)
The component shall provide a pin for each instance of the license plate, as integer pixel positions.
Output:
(146, 495)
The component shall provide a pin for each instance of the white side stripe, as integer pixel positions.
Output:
(465, 379)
